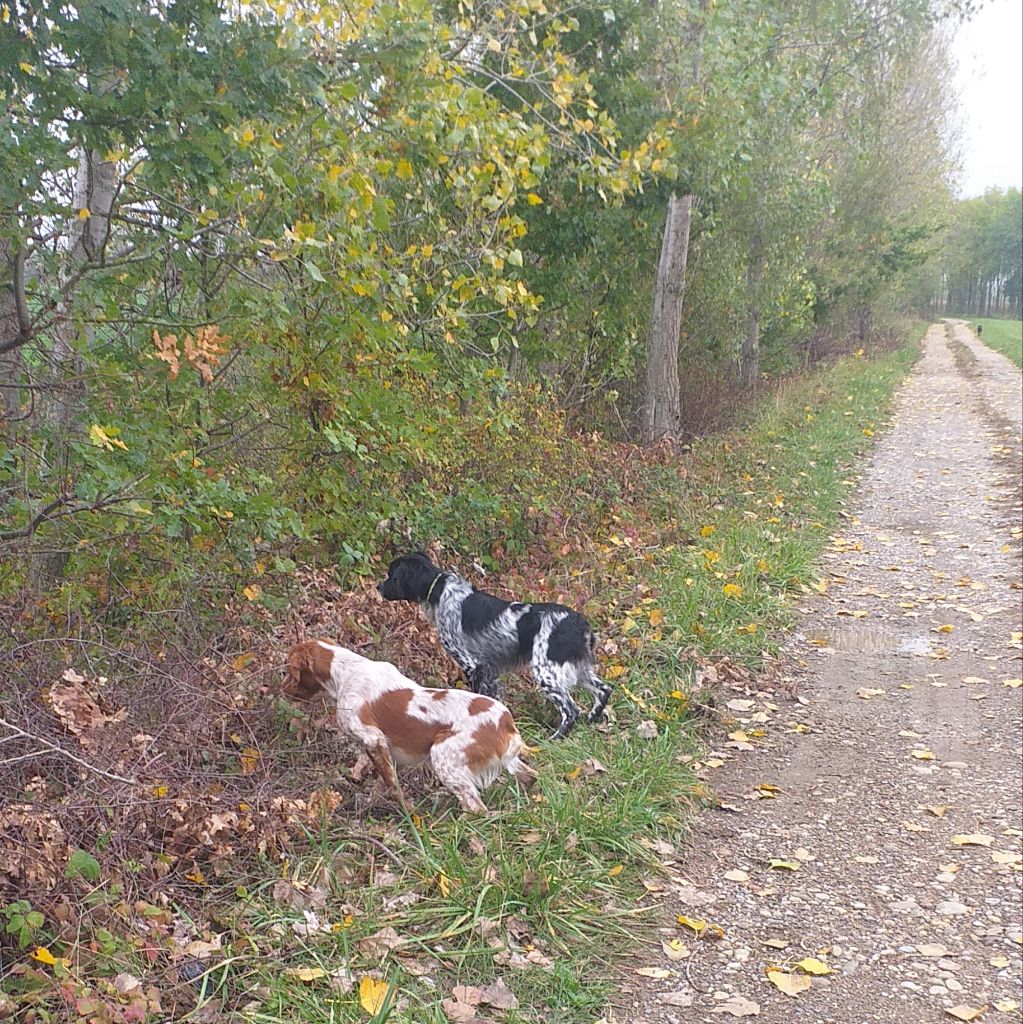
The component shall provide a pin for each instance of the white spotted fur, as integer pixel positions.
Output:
(356, 681)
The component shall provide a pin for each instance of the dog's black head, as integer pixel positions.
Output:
(409, 578)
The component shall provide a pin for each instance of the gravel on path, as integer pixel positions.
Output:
(871, 827)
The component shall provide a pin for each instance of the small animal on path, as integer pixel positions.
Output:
(487, 636)
(467, 738)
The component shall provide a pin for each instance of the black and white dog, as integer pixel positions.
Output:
(486, 636)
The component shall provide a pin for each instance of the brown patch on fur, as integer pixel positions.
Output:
(439, 695)
(412, 736)
(489, 741)
(308, 669)
(478, 705)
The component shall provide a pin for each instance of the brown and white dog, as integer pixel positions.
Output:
(468, 738)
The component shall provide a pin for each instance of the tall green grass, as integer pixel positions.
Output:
(1005, 336)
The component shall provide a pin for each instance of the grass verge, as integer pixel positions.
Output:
(1005, 336)
(383, 920)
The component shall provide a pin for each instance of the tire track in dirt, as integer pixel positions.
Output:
(904, 736)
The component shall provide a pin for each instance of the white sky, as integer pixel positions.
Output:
(989, 52)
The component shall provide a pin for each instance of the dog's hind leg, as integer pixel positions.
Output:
(555, 683)
(591, 682)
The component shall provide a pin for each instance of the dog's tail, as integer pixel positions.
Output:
(513, 763)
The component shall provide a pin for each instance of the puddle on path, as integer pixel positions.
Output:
(871, 639)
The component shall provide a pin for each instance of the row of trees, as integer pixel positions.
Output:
(981, 272)
(272, 269)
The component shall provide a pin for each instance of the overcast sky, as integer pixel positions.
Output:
(989, 52)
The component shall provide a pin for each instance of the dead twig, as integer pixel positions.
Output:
(53, 748)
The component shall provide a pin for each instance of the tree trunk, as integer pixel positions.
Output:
(94, 192)
(749, 358)
(663, 406)
(12, 316)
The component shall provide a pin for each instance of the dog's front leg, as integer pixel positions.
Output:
(381, 758)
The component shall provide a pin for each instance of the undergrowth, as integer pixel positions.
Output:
(266, 885)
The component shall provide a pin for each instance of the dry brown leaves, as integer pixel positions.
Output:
(78, 706)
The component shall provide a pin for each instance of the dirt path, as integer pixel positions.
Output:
(905, 735)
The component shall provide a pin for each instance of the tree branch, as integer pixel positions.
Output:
(53, 748)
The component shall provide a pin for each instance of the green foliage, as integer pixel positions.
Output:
(980, 271)
(82, 865)
(21, 922)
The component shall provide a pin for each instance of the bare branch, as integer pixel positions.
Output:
(53, 748)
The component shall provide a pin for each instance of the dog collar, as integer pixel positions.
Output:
(432, 585)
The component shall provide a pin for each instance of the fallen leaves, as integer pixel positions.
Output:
(972, 839)
(811, 965)
(738, 1006)
(79, 708)
(776, 864)
(790, 984)
(658, 973)
(373, 994)
(964, 1012)
(869, 692)
(922, 755)
(933, 950)
(702, 928)
(676, 949)
(379, 944)
(306, 974)
(737, 875)
(466, 999)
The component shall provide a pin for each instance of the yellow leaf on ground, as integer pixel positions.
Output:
(444, 884)
(1015, 684)
(790, 984)
(972, 839)
(675, 949)
(653, 972)
(737, 875)
(784, 865)
(922, 755)
(249, 758)
(616, 871)
(965, 1012)
(732, 590)
(1006, 1005)
(373, 994)
(999, 961)
(1006, 857)
(707, 531)
(44, 956)
(944, 629)
(694, 924)
(656, 616)
(813, 966)
(306, 973)
(252, 591)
